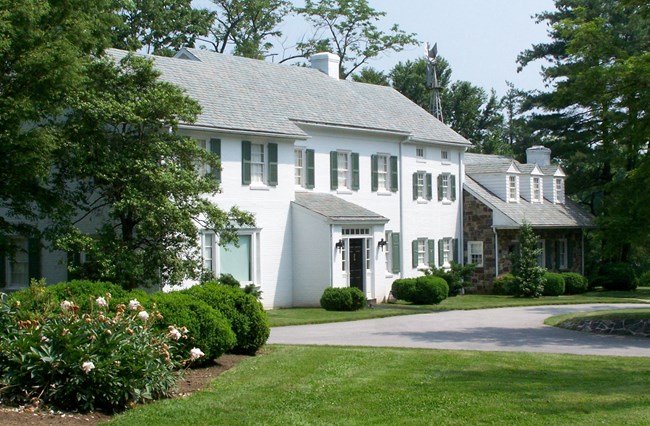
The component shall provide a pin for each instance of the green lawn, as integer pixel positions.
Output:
(305, 385)
(620, 314)
(295, 316)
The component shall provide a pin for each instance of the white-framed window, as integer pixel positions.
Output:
(444, 156)
(203, 168)
(536, 190)
(475, 253)
(446, 251)
(257, 163)
(355, 231)
(299, 167)
(541, 257)
(512, 188)
(563, 254)
(237, 259)
(383, 172)
(422, 252)
(368, 247)
(445, 186)
(343, 169)
(420, 153)
(559, 191)
(17, 265)
(421, 185)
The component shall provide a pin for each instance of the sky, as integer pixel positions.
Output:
(479, 38)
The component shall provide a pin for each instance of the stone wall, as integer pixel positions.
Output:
(477, 223)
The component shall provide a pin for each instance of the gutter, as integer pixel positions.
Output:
(496, 251)
(244, 132)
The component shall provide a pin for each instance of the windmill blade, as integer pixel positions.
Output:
(433, 52)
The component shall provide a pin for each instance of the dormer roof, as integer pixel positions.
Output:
(484, 163)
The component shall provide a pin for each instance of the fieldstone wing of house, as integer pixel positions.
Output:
(501, 194)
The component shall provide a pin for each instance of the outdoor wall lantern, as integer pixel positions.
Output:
(339, 245)
(381, 244)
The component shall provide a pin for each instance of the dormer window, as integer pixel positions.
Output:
(559, 191)
(512, 189)
(536, 190)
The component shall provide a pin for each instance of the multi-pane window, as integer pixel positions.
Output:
(18, 264)
(299, 169)
(343, 169)
(512, 188)
(446, 251)
(344, 256)
(444, 185)
(422, 251)
(383, 178)
(257, 163)
(559, 190)
(475, 253)
(420, 185)
(563, 254)
(444, 155)
(368, 245)
(537, 190)
(541, 257)
(419, 153)
(207, 251)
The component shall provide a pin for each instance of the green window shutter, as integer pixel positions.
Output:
(558, 260)
(431, 246)
(215, 148)
(273, 164)
(355, 171)
(415, 186)
(395, 254)
(74, 261)
(334, 167)
(245, 163)
(429, 186)
(548, 244)
(452, 187)
(440, 194)
(454, 250)
(570, 246)
(309, 157)
(34, 258)
(374, 175)
(393, 174)
(414, 252)
(440, 251)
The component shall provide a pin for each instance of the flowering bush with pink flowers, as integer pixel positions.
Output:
(90, 361)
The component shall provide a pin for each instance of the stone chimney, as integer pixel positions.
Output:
(539, 155)
(327, 63)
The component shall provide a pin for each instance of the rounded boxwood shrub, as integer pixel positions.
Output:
(403, 289)
(209, 330)
(245, 313)
(616, 277)
(342, 299)
(430, 290)
(554, 285)
(574, 283)
(504, 285)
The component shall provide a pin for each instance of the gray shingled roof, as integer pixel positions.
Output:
(241, 94)
(546, 215)
(486, 163)
(336, 209)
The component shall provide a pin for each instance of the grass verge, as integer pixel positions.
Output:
(297, 316)
(370, 386)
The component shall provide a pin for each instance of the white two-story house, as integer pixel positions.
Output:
(351, 184)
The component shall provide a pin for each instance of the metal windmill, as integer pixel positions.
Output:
(435, 104)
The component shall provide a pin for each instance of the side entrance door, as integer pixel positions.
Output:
(357, 270)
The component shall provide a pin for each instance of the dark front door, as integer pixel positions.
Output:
(357, 270)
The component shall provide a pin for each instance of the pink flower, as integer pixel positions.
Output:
(143, 315)
(196, 353)
(174, 333)
(66, 305)
(101, 302)
(87, 366)
(134, 305)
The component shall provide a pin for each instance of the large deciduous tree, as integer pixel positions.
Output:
(159, 26)
(597, 111)
(348, 28)
(44, 46)
(247, 25)
(137, 181)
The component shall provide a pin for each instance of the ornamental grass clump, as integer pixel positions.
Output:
(89, 361)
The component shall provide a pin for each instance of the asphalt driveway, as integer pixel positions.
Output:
(499, 329)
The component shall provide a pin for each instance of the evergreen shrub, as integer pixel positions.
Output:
(403, 289)
(429, 290)
(575, 283)
(504, 285)
(616, 277)
(554, 285)
(342, 299)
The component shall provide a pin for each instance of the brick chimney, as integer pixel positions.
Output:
(539, 155)
(327, 63)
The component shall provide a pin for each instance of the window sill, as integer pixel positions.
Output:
(421, 160)
(344, 191)
(384, 193)
(422, 201)
(258, 187)
(446, 163)
(302, 189)
(446, 202)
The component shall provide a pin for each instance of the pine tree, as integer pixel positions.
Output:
(529, 276)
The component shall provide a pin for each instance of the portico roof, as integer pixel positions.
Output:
(336, 209)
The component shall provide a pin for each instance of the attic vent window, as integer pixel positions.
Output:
(419, 153)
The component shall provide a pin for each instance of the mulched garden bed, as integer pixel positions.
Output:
(193, 380)
(624, 327)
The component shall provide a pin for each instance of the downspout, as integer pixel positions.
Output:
(582, 256)
(331, 251)
(496, 251)
(461, 210)
(401, 207)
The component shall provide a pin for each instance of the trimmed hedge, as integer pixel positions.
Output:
(403, 289)
(574, 283)
(554, 285)
(430, 290)
(504, 285)
(342, 299)
(209, 330)
(244, 312)
(616, 277)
